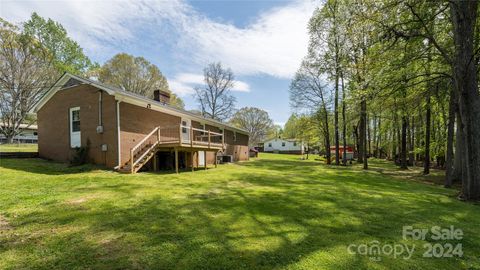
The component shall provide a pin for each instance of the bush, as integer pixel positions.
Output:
(80, 156)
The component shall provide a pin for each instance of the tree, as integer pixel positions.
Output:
(67, 55)
(176, 101)
(326, 27)
(26, 73)
(137, 75)
(214, 98)
(290, 129)
(308, 91)
(256, 121)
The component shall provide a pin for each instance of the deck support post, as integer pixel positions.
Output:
(191, 157)
(198, 158)
(155, 163)
(205, 160)
(176, 160)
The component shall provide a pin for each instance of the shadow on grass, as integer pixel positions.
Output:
(257, 219)
(41, 166)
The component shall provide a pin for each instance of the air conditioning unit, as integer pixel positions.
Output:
(227, 158)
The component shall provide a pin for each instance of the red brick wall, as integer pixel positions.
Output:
(54, 126)
(136, 122)
(238, 148)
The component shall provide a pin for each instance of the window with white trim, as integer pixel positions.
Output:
(75, 136)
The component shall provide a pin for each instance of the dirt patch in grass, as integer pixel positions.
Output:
(80, 200)
(4, 224)
(212, 193)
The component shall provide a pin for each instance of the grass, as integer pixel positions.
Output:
(22, 147)
(276, 212)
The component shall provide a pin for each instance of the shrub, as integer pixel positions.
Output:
(80, 156)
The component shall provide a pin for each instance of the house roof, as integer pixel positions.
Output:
(129, 97)
(286, 140)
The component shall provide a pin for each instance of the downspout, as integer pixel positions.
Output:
(100, 98)
(119, 158)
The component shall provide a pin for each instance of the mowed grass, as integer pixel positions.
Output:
(22, 147)
(275, 212)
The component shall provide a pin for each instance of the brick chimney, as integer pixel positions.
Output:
(161, 96)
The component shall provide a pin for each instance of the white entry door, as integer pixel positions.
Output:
(201, 158)
(186, 124)
(75, 135)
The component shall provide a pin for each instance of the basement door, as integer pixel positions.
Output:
(201, 158)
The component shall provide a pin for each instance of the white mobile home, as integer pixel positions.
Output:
(287, 146)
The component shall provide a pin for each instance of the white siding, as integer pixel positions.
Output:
(281, 145)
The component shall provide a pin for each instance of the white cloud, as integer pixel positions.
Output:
(184, 84)
(273, 44)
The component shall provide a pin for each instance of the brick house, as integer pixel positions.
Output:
(129, 132)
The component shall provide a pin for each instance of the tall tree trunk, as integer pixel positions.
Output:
(374, 134)
(450, 135)
(344, 120)
(403, 163)
(426, 162)
(458, 155)
(357, 141)
(379, 153)
(363, 132)
(463, 16)
(369, 137)
(337, 136)
(411, 154)
(361, 135)
(327, 137)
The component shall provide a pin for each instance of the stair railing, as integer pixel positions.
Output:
(141, 145)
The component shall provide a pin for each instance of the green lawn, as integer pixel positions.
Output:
(15, 147)
(276, 212)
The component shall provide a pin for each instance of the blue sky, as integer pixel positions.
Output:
(263, 42)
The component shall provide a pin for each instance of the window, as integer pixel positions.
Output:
(75, 120)
(74, 116)
(35, 133)
(283, 144)
(294, 143)
(270, 145)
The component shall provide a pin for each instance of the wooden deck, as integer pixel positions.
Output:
(177, 138)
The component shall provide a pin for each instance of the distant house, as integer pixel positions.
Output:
(129, 132)
(286, 146)
(349, 151)
(28, 134)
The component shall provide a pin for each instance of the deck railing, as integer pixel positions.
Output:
(174, 134)
(188, 135)
(138, 152)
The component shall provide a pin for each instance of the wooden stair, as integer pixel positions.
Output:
(141, 153)
(149, 153)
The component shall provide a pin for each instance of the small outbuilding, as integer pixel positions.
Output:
(284, 146)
